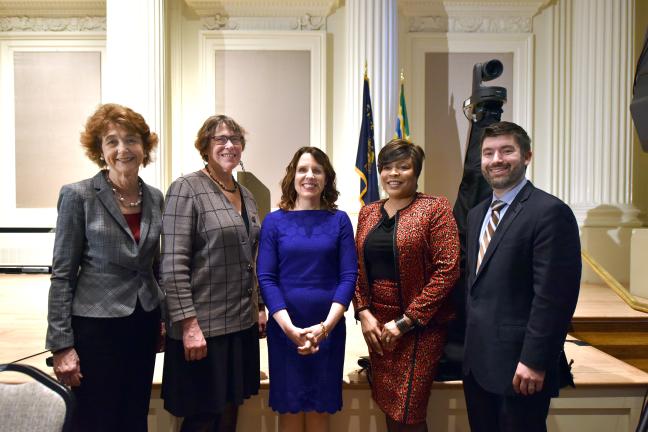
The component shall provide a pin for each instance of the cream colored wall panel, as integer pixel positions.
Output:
(54, 94)
(267, 121)
(638, 260)
(268, 93)
(609, 246)
(312, 42)
(63, 117)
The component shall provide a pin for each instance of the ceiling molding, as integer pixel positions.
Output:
(459, 9)
(263, 8)
(52, 24)
(52, 8)
(303, 23)
(470, 24)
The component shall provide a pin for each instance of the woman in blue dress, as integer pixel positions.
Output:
(307, 270)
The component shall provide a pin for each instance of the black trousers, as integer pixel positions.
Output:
(490, 412)
(117, 357)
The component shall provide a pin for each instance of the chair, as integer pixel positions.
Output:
(36, 406)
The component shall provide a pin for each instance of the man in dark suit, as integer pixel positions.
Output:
(523, 276)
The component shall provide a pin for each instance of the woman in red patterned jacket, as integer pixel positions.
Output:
(408, 254)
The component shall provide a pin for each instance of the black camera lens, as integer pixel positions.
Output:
(492, 70)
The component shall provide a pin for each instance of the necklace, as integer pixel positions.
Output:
(121, 198)
(219, 183)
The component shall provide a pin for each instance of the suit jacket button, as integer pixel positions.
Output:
(249, 267)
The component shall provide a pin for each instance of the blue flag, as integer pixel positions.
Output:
(366, 158)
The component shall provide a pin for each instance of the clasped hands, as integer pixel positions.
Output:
(378, 336)
(306, 339)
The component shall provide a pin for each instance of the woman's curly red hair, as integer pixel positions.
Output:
(119, 115)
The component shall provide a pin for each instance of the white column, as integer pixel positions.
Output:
(602, 69)
(372, 35)
(135, 69)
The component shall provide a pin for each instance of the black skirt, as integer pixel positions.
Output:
(228, 375)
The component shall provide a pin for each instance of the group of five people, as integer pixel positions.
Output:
(117, 297)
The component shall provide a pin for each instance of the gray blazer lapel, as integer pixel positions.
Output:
(105, 195)
(147, 212)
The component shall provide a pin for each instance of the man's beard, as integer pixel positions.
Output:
(505, 182)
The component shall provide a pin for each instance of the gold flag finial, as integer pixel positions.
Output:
(365, 70)
(402, 76)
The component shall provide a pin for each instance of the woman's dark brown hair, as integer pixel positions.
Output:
(209, 127)
(399, 149)
(123, 117)
(288, 192)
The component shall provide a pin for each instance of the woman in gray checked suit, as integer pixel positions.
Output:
(104, 323)
(209, 241)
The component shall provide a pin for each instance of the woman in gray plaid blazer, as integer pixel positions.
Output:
(210, 235)
(104, 300)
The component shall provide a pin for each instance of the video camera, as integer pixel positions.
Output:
(482, 97)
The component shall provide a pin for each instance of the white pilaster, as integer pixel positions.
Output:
(372, 35)
(135, 68)
(602, 36)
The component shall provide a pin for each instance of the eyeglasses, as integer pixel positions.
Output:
(222, 139)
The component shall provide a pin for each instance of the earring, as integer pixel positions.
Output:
(101, 157)
(242, 167)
